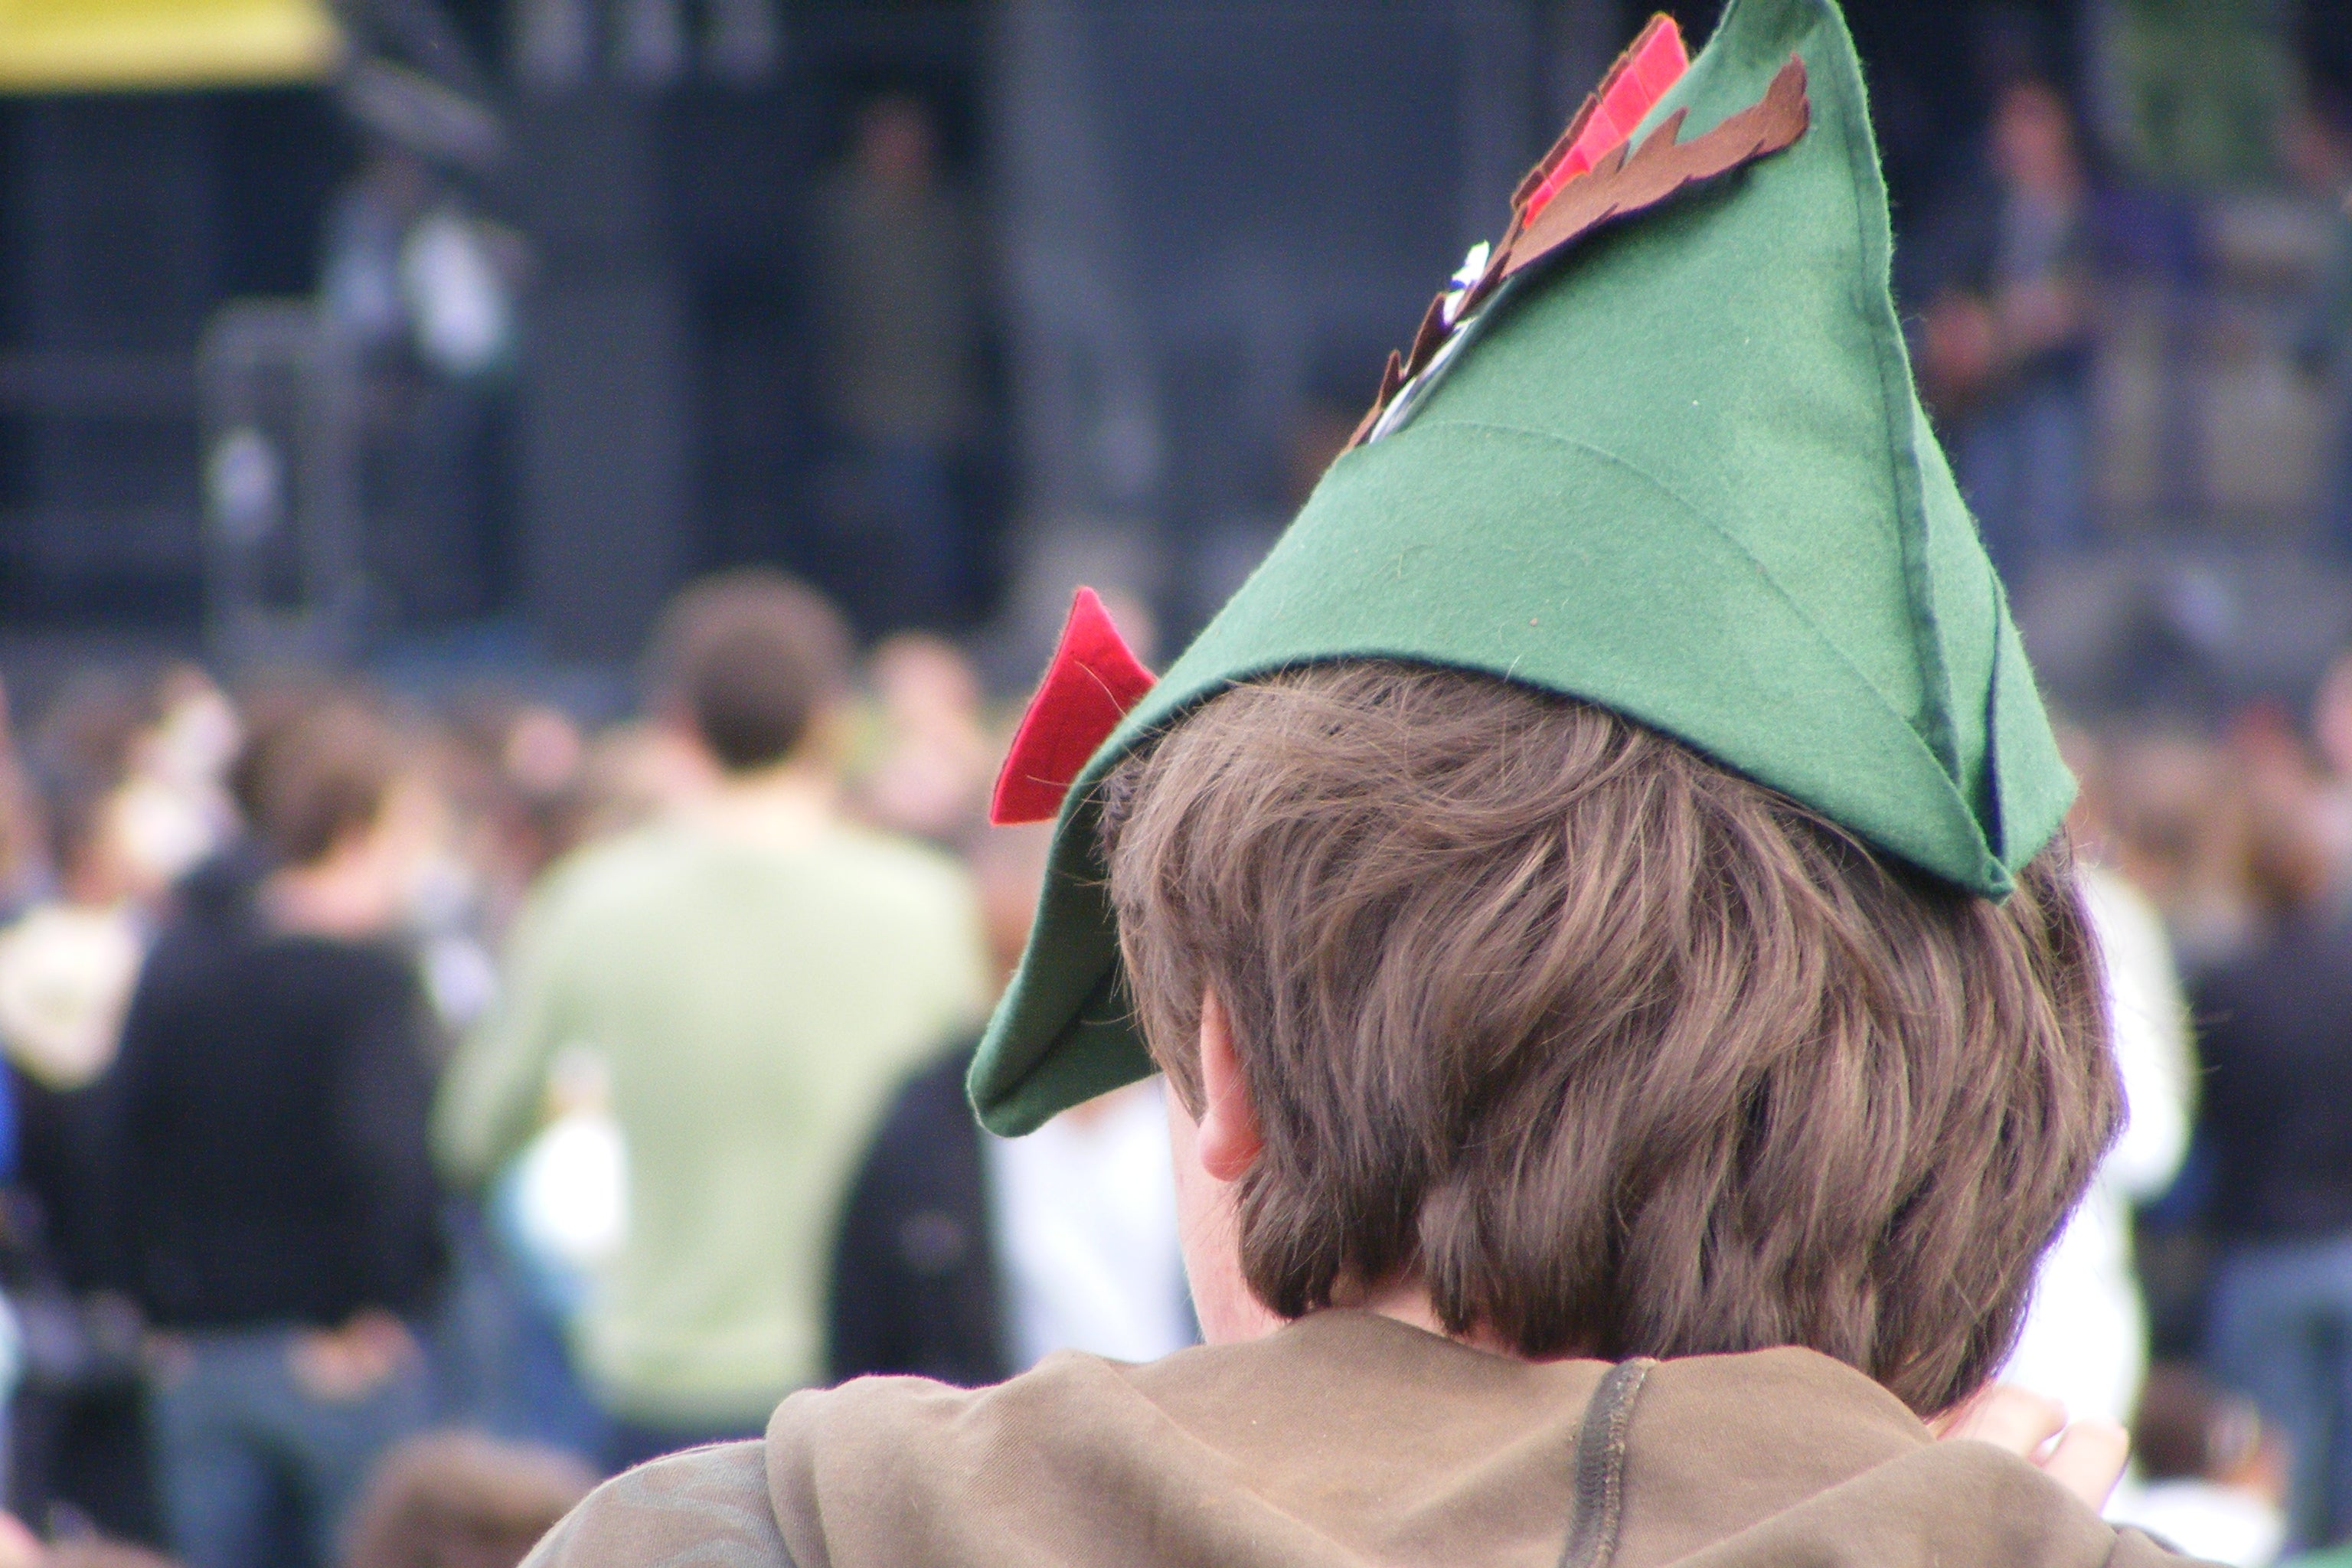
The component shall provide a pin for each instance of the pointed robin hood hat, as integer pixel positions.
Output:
(1657, 449)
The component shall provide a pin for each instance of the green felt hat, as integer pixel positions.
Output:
(1662, 451)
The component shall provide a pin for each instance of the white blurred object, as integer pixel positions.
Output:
(456, 294)
(460, 977)
(198, 737)
(162, 829)
(571, 1183)
(2205, 1521)
(65, 974)
(1084, 1211)
(2085, 1339)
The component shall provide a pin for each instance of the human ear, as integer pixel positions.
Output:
(1229, 1142)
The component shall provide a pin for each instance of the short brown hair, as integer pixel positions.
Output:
(314, 771)
(1617, 1052)
(750, 658)
(458, 1500)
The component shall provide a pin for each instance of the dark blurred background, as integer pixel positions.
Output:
(458, 340)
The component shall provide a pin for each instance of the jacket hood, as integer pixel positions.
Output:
(1349, 1440)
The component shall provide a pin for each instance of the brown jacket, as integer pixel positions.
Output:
(1343, 1441)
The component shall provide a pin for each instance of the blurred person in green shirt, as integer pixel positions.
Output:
(751, 976)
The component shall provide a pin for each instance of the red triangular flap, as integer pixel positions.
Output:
(1092, 682)
(1631, 88)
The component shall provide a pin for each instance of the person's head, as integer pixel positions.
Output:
(1008, 866)
(2033, 143)
(922, 680)
(456, 1499)
(1608, 1051)
(895, 145)
(750, 664)
(93, 866)
(315, 776)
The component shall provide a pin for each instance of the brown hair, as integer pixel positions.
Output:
(1614, 1051)
(101, 1551)
(314, 770)
(458, 1499)
(750, 658)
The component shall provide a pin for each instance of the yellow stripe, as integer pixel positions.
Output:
(81, 46)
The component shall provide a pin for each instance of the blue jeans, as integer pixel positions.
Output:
(252, 1467)
(2281, 1333)
(503, 1363)
(2023, 464)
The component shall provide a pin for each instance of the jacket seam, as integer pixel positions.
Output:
(1601, 1447)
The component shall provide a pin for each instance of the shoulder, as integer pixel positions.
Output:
(926, 1144)
(911, 880)
(609, 877)
(911, 862)
(635, 853)
(372, 972)
(709, 1505)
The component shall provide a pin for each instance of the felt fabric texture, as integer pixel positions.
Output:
(1092, 682)
(1680, 470)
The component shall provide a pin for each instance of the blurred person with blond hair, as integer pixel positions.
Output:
(66, 964)
(933, 759)
(274, 1209)
(750, 975)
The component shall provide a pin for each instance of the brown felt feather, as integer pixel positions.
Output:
(1391, 377)
(1629, 180)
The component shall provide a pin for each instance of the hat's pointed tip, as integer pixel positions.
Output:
(1094, 682)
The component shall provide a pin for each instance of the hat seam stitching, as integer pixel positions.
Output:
(1910, 508)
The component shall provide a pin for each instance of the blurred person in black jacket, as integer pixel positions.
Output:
(967, 1257)
(2277, 1121)
(274, 1201)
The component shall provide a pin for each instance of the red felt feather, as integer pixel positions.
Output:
(1630, 89)
(1092, 682)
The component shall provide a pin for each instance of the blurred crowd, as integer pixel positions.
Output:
(2203, 1292)
(417, 1110)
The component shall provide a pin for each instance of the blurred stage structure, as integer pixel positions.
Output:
(1208, 220)
(107, 46)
